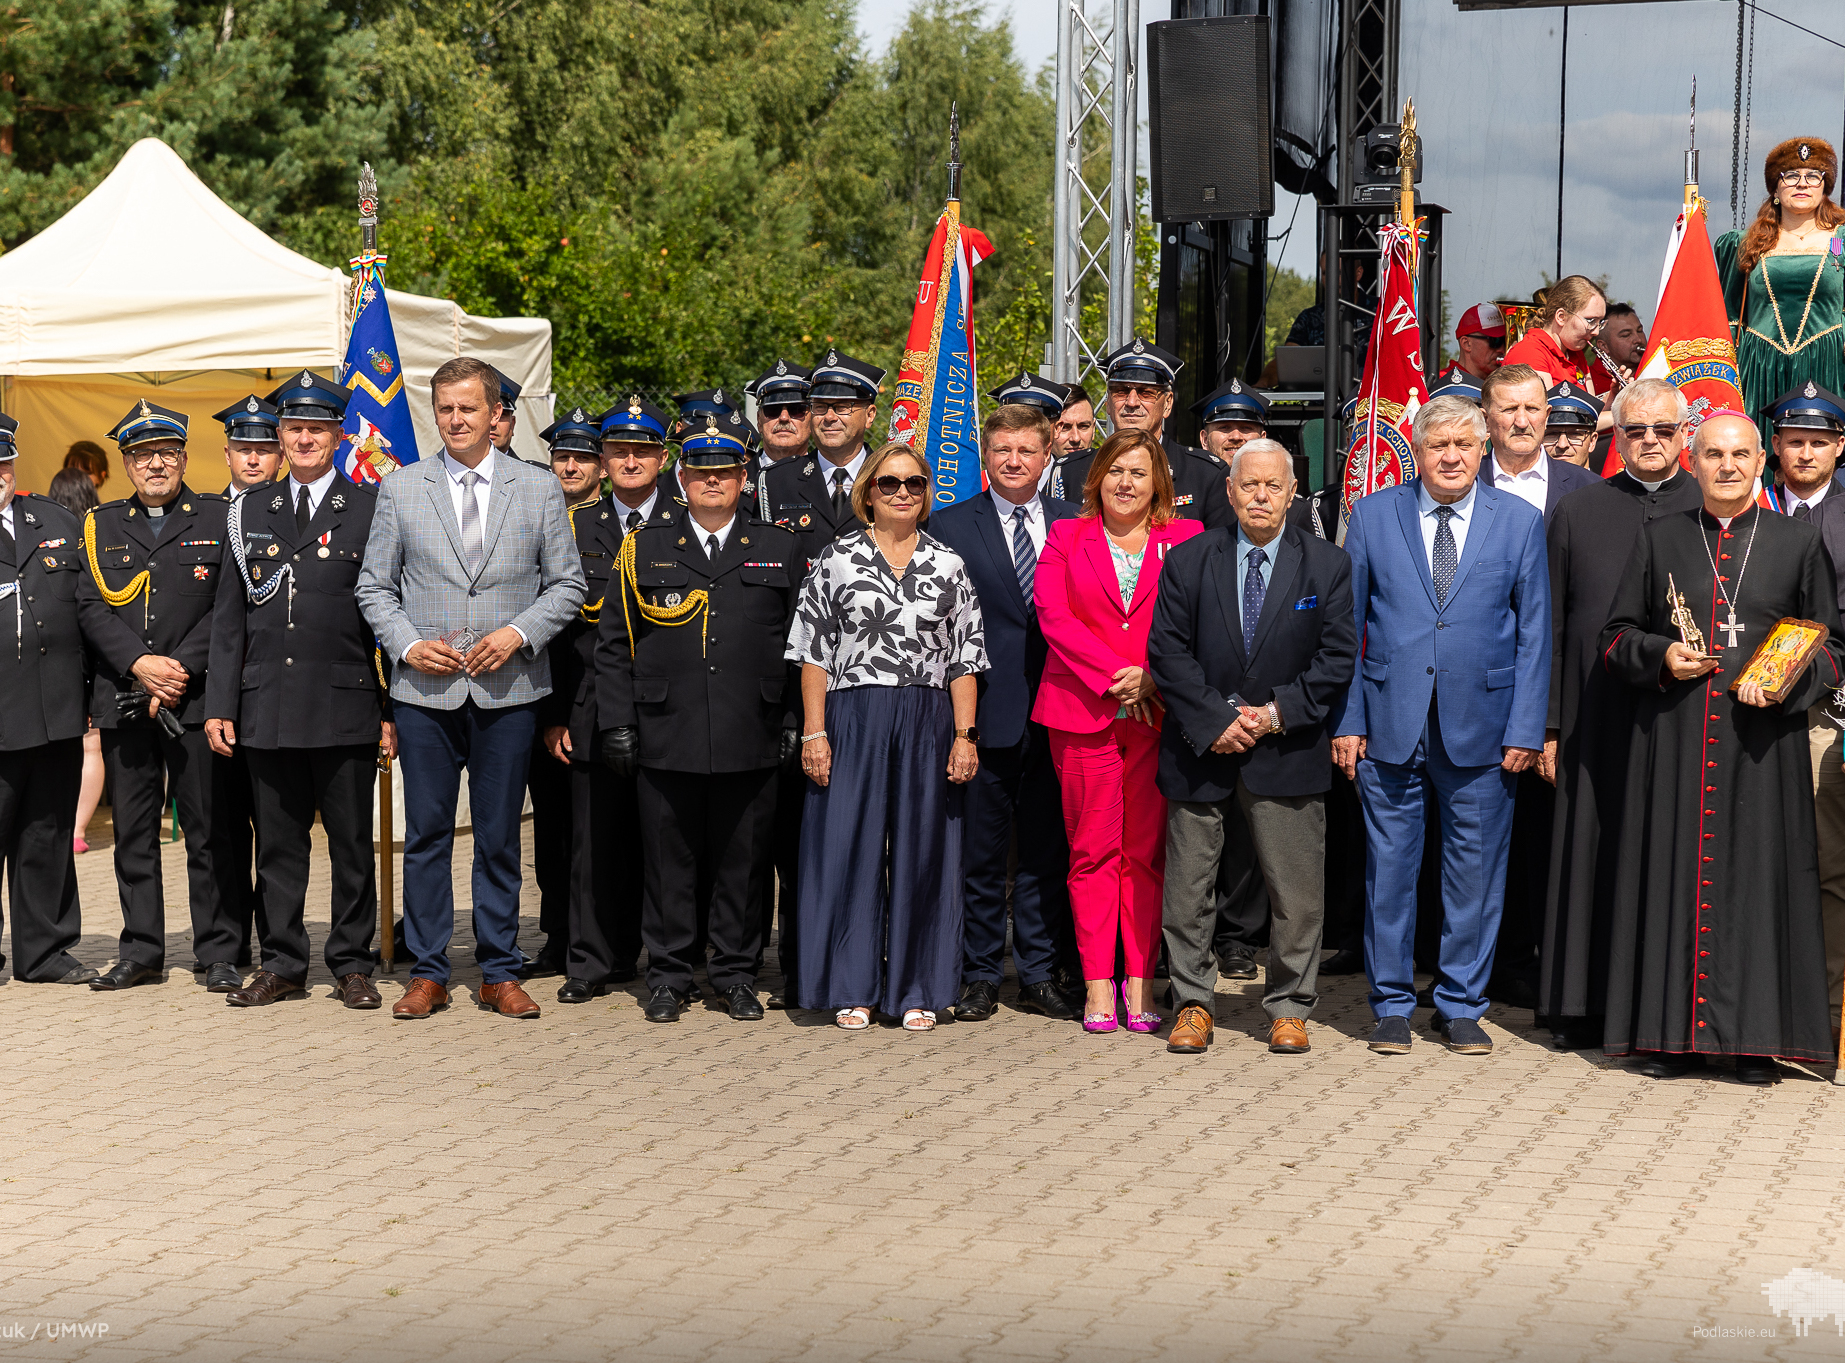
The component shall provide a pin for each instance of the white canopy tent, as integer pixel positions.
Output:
(153, 287)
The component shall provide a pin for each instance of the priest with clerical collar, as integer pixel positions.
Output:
(1716, 945)
(1591, 534)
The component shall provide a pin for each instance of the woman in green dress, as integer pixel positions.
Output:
(1784, 279)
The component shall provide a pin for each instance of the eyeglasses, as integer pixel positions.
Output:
(143, 458)
(844, 406)
(915, 485)
(1594, 324)
(1662, 430)
(793, 409)
(1803, 177)
(1146, 392)
(1496, 342)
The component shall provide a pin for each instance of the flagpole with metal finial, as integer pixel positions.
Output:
(1691, 152)
(387, 839)
(954, 149)
(1408, 146)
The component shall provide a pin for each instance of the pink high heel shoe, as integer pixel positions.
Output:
(1098, 1022)
(1136, 1022)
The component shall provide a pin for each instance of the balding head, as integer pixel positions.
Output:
(1726, 459)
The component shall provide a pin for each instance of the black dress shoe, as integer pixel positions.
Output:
(1237, 963)
(1425, 998)
(978, 1000)
(777, 999)
(1043, 997)
(1344, 961)
(1666, 1065)
(222, 977)
(549, 961)
(1756, 1069)
(1514, 991)
(744, 1005)
(124, 974)
(665, 1005)
(79, 974)
(577, 991)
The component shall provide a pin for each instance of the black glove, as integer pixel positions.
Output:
(791, 748)
(620, 750)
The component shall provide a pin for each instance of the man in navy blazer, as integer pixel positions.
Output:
(1451, 596)
(999, 534)
(1517, 408)
(1252, 642)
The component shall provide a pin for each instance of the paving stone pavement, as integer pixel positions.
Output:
(301, 1182)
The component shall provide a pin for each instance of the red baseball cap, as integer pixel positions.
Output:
(1482, 319)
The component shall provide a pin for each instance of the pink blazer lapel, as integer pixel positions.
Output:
(1101, 562)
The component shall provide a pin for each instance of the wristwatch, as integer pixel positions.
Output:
(970, 733)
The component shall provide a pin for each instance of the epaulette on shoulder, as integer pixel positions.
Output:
(108, 506)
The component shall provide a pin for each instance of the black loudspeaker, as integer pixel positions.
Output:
(1208, 97)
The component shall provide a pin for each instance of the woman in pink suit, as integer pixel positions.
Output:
(1095, 586)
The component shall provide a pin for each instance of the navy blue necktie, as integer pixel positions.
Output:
(1252, 597)
(1024, 555)
(1444, 559)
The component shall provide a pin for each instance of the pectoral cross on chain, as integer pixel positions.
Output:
(1732, 628)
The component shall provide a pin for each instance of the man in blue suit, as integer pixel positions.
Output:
(999, 534)
(1451, 596)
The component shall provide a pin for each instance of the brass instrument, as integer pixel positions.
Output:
(1519, 318)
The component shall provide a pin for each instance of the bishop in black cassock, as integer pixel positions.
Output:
(1716, 946)
(1591, 537)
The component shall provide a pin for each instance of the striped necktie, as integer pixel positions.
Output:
(470, 521)
(1024, 555)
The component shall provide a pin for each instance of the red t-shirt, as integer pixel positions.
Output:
(1539, 349)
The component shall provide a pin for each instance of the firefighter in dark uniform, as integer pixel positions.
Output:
(813, 496)
(603, 923)
(253, 449)
(296, 681)
(576, 460)
(697, 702)
(1140, 397)
(41, 725)
(153, 561)
(783, 417)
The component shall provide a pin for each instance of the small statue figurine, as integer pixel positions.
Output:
(1688, 631)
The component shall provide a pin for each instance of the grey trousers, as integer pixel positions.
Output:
(1290, 840)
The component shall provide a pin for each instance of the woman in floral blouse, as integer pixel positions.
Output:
(888, 635)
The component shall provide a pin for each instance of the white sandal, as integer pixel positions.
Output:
(919, 1020)
(852, 1019)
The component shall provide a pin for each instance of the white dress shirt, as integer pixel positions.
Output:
(851, 466)
(316, 490)
(703, 535)
(6, 516)
(623, 510)
(457, 490)
(1034, 519)
(1533, 485)
(1458, 523)
(1811, 503)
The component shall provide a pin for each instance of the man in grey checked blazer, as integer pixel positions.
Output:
(467, 540)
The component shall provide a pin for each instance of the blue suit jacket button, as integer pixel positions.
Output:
(1431, 671)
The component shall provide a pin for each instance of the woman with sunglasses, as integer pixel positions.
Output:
(1784, 281)
(890, 642)
(1572, 312)
(1095, 586)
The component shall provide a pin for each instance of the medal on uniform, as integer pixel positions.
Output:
(325, 539)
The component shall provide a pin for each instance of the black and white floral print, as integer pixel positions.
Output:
(868, 627)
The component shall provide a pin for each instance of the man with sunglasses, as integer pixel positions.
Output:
(813, 496)
(1140, 398)
(146, 604)
(700, 710)
(1479, 341)
(1591, 714)
(783, 417)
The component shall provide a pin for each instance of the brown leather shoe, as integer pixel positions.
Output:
(508, 1000)
(358, 991)
(1288, 1036)
(1191, 1033)
(264, 987)
(422, 998)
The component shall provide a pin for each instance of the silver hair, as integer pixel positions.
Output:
(1754, 430)
(1262, 445)
(1644, 390)
(1438, 413)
